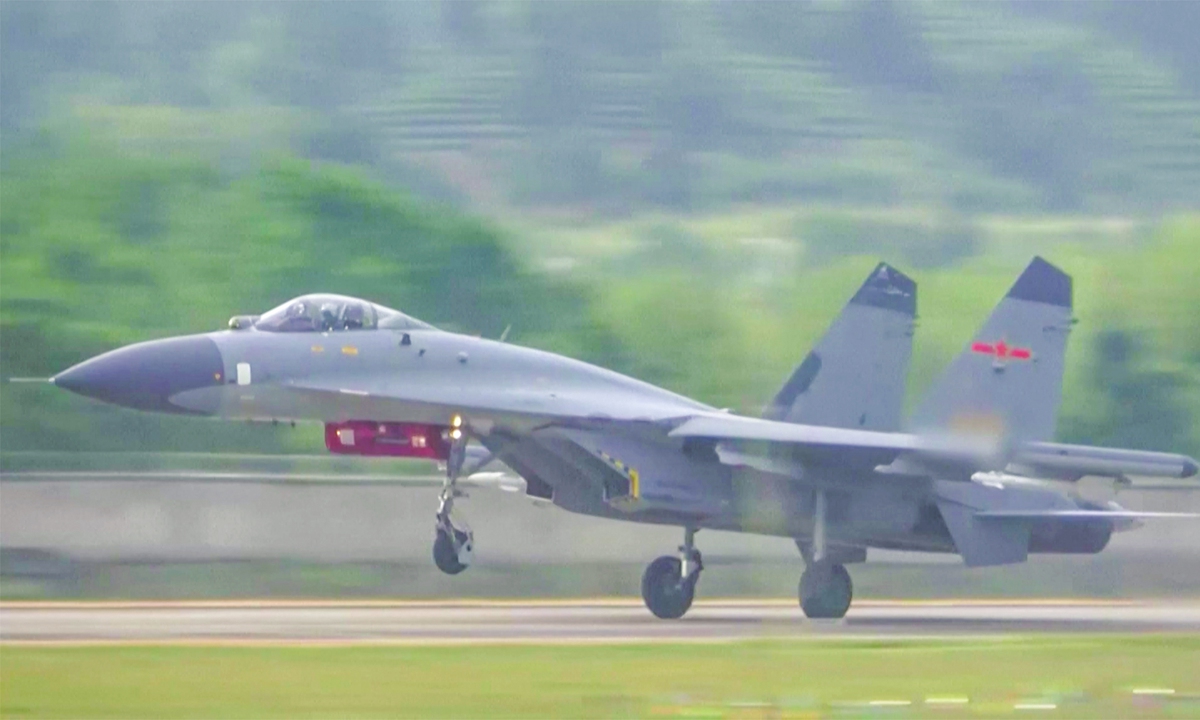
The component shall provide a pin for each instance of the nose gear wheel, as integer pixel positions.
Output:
(446, 550)
(666, 593)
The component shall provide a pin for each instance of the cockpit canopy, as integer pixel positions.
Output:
(334, 313)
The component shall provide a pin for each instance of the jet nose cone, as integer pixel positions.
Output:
(147, 375)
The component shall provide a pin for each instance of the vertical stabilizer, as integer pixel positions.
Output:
(1007, 382)
(855, 376)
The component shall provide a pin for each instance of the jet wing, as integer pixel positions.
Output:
(810, 443)
(942, 455)
(523, 407)
(881, 447)
(722, 426)
(380, 398)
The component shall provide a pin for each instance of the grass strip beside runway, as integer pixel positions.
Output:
(1081, 675)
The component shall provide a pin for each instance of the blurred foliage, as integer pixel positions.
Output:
(625, 105)
(829, 234)
(1142, 406)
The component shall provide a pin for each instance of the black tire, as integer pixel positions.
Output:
(444, 554)
(665, 594)
(826, 592)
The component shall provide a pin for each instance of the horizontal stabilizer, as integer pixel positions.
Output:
(1080, 514)
(1167, 487)
(982, 543)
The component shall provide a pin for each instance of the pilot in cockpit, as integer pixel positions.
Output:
(329, 317)
(352, 316)
(297, 318)
(330, 313)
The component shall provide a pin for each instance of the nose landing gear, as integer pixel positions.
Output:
(453, 547)
(669, 583)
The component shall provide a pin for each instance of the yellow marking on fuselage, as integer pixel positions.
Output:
(628, 472)
(318, 348)
(349, 350)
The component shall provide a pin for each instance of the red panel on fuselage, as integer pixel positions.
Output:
(364, 437)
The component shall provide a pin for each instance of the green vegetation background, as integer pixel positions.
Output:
(683, 192)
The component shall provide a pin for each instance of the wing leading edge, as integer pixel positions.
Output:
(724, 426)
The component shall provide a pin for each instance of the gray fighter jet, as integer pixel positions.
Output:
(831, 463)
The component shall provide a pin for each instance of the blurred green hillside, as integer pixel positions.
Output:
(103, 247)
(614, 107)
(687, 192)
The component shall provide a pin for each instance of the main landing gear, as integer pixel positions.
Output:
(452, 546)
(669, 584)
(825, 591)
(825, 587)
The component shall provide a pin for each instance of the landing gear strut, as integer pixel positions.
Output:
(669, 584)
(452, 546)
(825, 587)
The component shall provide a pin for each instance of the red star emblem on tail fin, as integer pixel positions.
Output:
(1001, 350)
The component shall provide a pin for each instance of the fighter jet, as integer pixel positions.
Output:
(831, 464)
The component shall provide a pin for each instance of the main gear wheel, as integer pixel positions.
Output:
(825, 591)
(666, 592)
(669, 583)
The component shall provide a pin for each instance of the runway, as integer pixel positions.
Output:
(598, 621)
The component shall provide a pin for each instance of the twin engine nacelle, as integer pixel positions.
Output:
(366, 437)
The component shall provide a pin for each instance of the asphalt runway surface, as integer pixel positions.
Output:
(452, 622)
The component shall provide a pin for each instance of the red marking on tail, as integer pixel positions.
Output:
(1002, 350)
